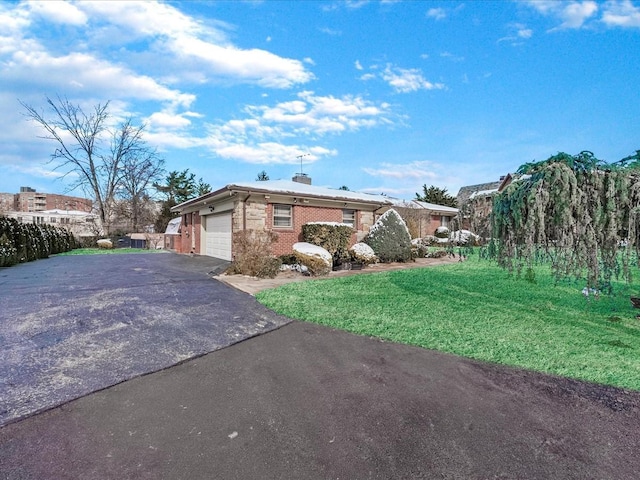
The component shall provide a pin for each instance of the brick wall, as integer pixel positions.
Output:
(7, 202)
(304, 214)
(36, 202)
(189, 241)
(64, 202)
(258, 215)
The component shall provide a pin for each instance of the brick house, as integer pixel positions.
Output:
(208, 222)
(423, 218)
(476, 202)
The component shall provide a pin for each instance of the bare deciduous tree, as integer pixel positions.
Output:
(90, 149)
(140, 169)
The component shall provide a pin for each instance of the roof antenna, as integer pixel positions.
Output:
(300, 157)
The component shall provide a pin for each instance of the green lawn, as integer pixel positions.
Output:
(102, 251)
(476, 310)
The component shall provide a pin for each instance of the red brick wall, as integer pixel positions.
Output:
(50, 201)
(434, 223)
(190, 234)
(301, 214)
(189, 239)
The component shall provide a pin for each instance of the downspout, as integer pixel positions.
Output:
(193, 233)
(244, 212)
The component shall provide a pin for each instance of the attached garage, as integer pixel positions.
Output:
(217, 236)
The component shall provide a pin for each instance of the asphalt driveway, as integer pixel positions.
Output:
(77, 324)
(308, 402)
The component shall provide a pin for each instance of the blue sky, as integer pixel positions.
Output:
(380, 96)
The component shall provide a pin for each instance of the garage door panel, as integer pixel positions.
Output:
(218, 236)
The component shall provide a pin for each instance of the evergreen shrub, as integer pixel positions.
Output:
(317, 266)
(363, 253)
(333, 237)
(389, 238)
(24, 242)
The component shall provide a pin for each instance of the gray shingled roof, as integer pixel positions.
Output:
(465, 192)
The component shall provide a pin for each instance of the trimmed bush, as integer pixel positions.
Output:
(253, 254)
(333, 237)
(363, 253)
(315, 258)
(442, 232)
(389, 238)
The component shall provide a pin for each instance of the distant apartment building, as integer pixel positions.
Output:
(29, 206)
(7, 202)
(28, 200)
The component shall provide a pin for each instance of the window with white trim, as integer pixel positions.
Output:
(349, 217)
(281, 216)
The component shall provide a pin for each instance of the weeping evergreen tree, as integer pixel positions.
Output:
(577, 211)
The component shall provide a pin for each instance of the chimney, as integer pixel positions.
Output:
(302, 178)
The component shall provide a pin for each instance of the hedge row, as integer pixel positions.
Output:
(24, 242)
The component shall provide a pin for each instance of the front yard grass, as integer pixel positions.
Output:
(475, 309)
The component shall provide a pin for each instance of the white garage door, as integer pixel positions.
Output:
(218, 236)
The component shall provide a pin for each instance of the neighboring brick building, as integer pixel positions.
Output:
(7, 202)
(476, 203)
(28, 200)
(423, 218)
(209, 222)
(29, 206)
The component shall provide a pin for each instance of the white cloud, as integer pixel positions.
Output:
(404, 180)
(519, 33)
(319, 115)
(571, 14)
(149, 19)
(621, 14)
(355, 4)
(331, 31)
(58, 12)
(169, 120)
(272, 134)
(437, 13)
(252, 66)
(358, 65)
(575, 14)
(272, 153)
(419, 170)
(407, 80)
(186, 42)
(525, 33)
(82, 73)
(452, 57)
